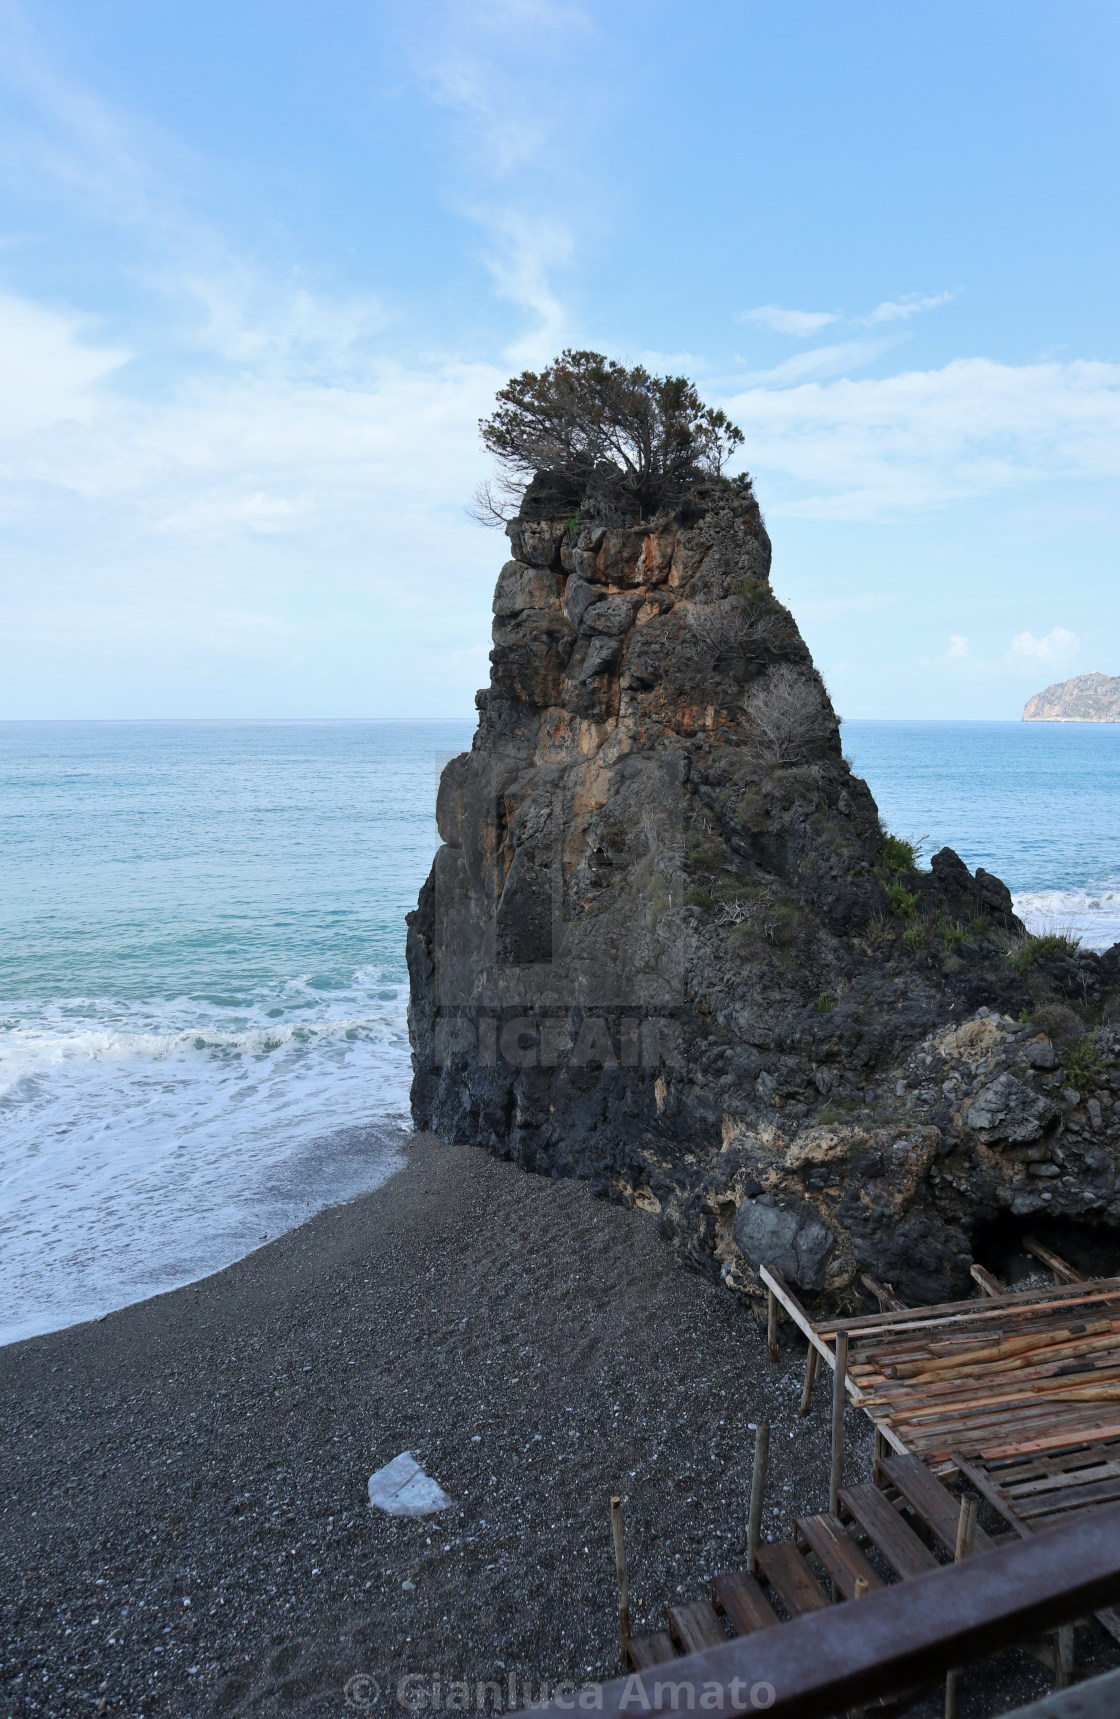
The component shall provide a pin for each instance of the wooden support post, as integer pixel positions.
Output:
(966, 1534)
(812, 1362)
(772, 1326)
(839, 1379)
(623, 1579)
(858, 1593)
(1064, 1645)
(758, 1488)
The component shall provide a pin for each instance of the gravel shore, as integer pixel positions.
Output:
(184, 1508)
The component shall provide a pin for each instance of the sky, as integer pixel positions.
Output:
(263, 267)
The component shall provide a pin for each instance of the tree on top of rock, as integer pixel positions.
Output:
(604, 433)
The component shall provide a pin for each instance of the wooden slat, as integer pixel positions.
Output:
(896, 1540)
(649, 1650)
(790, 1577)
(695, 1627)
(936, 1506)
(1060, 1267)
(1061, 1499)
(900, 1637)
(832, 1546)
(989, 1490)
(741, 1600)
(946, 1314)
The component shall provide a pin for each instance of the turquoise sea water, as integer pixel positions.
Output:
(1038, 803)
(202, 980)
(202, 990)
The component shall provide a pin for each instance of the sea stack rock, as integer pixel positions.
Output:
(664, 946)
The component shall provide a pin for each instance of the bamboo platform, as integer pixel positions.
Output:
(1001, 1378)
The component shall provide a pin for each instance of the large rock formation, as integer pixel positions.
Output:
(1085, 698)
(666, 946)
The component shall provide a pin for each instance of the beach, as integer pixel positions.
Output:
(185, 1511)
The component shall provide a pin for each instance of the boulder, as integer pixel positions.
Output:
(1006, 1109)
(792, 1238)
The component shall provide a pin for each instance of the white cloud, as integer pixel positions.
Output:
(918, 440)
(1057, 646)
(958, 646)
(902, 309)
(821, 362)
(48, 372)
(800, 323)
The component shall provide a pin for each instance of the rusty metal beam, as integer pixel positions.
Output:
(900, 1637)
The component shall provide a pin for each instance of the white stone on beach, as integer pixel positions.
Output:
(402, 1488)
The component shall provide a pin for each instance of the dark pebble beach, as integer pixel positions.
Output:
(185, 1523)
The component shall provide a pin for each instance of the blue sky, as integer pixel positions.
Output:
(263, 266)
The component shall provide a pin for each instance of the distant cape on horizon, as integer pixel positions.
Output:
(1085, 698)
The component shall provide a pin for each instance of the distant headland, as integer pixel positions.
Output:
(1085, 698)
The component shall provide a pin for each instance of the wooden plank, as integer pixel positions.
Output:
(989, 1285)
(741, 1600)
(1097, 1699)
(902, 1636)
(1057, 1502)
(1083, 1474)
(883, 1293)
(774, 1280)
(933, 1502)
(1060, 1267)
(644, 1651)
(1059, 1296)
(695, 1627)
(832, 1546)
(896, 1540)
(989, 1490)
(778, 1286)
(955, 1313)
(790, 1577)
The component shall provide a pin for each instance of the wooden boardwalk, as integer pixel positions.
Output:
(1006, 1376)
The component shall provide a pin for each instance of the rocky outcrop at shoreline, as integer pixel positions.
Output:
(1085, 698)
(666, 944)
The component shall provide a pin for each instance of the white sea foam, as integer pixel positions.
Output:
(135, 1159)
(1093, 915)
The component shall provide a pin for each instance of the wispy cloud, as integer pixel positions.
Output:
(902, 309)
(821, 362)
(516, 171)
(1057, 646)
(870, 448)
(49, 367)
(958, 647)
(800, 323)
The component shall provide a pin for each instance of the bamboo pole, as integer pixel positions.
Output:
(623, 1579)
(812, 1362)
(838, 1392)
(758, 1488)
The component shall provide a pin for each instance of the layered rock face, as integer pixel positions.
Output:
(1085, 698)
(665, 947)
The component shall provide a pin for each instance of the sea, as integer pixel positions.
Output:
(202, 979)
